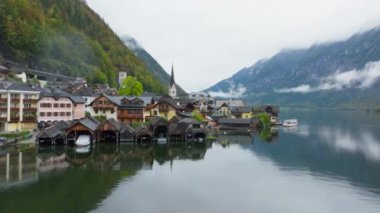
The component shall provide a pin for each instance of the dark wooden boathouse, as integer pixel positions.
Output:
(143, 134)
(86, 126)
(108, 131)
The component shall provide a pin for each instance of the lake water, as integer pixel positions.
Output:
(330, 163)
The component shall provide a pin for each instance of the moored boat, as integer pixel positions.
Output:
(290, 123)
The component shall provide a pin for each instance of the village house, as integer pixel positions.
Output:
(241, 112)
(272, 110)
(121, 108)
(18, 106)
(60, 106)
(225, 110)
(166, 107)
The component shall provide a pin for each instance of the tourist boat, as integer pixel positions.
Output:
(290, 123)
(83, 140)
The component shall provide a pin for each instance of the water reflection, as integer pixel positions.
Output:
(328, 163)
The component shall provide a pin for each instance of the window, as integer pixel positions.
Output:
(55, 114)
(14, 96)
(42, 114)
(68, 113)
(48, 114)
(62, 113)
(62, 105)
(56, 105)
(27, 105)
(68, 105)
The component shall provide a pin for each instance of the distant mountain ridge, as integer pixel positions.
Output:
(341, 74)
(151, 63)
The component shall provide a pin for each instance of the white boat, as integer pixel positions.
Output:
(290, 123)
(83, 140)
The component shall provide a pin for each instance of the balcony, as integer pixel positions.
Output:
(3, 119)
(30, 109)
(15, 109)
(27, 100)
(15, 118)
(29, 119)
(103, 106)
(3, 100)
(15, 99)
(3, 109)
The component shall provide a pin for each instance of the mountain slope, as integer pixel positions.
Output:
(151, 63)
(67, 37)
(339, 74)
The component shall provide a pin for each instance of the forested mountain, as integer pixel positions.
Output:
(67, 37)
(341, 74)
(151, 63)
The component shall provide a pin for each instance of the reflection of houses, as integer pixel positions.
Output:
(17, 169)
(49, 162)
(237, 123)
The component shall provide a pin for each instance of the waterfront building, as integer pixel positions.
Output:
(60, 107)
(241, 112)
(225, 110)
(18, 106)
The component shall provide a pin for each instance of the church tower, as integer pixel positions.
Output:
(172, 86)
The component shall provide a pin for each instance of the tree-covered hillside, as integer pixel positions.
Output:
(67, 37)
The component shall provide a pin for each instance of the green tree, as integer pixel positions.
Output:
(130, 86)
(197, 116)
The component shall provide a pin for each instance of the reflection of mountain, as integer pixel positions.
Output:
(334, 146)
(76, 181)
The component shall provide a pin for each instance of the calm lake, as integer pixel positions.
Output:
(330, 163)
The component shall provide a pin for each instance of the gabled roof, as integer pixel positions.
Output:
(184, 114)
(189, 121)
(90, 123)
(126, 127)
(170, 101)
(57, 93)
(237, 110)
(142, 129)
(224, 105)
(158, 121)
(115, 125)
(50, 132)
(275, 108)
(5, 85)
(62, 125)
(84, 91)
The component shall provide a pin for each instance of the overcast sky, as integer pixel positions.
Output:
(210, 40)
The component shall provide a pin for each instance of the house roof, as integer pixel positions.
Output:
(57, 93)
(143, 129)
(126, 127)
(117, 100)
(237, 110)
(229, 102)
(234, 121)
(5, 85)
(185, 114)
(62, 125)
(275, 108)
(89, 123)
(189, 121)
(50, 132)
(158, 121)
(84, 91)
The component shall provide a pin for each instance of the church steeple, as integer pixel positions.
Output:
(172, 86)
(172, 82)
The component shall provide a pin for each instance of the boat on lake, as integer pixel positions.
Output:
(83, 140)
(290, 123)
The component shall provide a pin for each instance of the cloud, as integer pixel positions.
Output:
(130, 42)
(360, 79)
(234, 92)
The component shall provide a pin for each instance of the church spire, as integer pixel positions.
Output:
(172, 82)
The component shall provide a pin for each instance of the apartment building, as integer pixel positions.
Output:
(18, 106)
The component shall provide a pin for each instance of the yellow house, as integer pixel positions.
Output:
(242, 112)
(165, 108)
